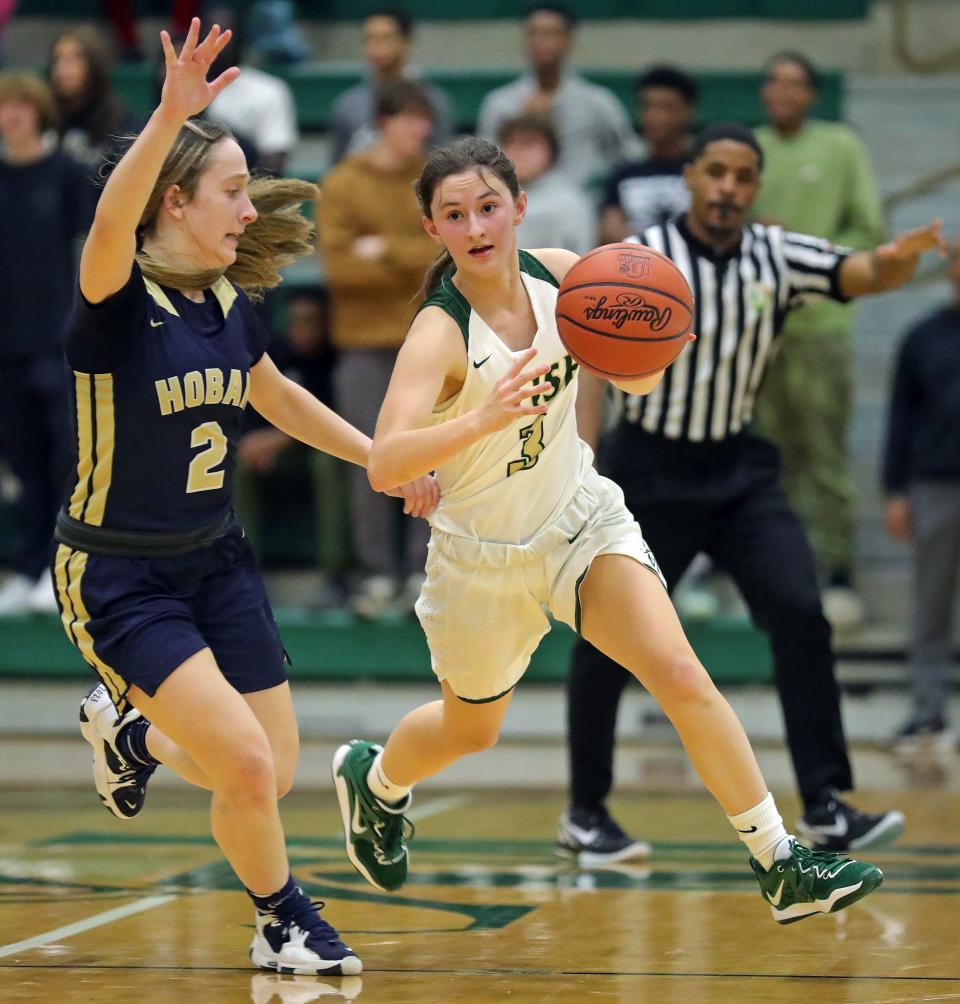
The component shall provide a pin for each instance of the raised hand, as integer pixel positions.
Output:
(896, 261)
(518, 385)
(913, 243)
(186, 90)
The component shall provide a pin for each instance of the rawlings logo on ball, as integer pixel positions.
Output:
(635, 265)
(629, 307)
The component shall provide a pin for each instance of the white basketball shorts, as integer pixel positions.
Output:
(484, 604)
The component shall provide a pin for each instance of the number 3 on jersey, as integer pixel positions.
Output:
(201, 477)
(532, 438)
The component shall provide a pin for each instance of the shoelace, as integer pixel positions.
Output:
(139, 776)
(835, 806)
(136, 773)
(810, 865)
(605, 822)
(391, 829)
(306, 915)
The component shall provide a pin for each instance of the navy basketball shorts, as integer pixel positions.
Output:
(135, 620)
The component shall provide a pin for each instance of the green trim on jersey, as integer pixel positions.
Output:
(578, 613)
(532, 265)
(451, 301)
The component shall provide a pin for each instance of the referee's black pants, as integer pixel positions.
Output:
(724, 500)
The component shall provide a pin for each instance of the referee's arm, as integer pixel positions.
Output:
(890, 265)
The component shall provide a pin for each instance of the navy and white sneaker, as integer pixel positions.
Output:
(594, 839)
(834, 825)
(121, 785)
(300, 941)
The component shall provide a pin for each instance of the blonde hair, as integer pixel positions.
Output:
(27, 87)
(279, 235)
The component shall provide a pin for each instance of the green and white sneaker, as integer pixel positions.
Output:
(375, 834)
(808, 882)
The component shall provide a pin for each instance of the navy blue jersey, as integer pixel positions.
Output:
(159, 388)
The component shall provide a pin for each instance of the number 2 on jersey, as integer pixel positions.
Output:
(532, 438)
(201, 477)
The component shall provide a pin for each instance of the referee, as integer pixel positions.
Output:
(698, 481)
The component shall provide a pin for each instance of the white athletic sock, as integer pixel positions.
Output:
(382, 786)
(761, 829)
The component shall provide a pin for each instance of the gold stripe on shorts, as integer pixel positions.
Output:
(69, 566)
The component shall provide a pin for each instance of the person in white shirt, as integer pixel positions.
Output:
(259, 105)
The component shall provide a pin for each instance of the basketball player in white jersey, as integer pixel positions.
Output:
(483, 393)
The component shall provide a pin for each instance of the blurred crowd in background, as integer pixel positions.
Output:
(594, 174)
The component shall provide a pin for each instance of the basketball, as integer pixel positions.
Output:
(624, 311)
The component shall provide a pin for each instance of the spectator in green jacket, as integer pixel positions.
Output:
(817, 180)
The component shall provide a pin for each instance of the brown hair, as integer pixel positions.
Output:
(96, 107)
(396, 97)
(466, 154)
(27, 87)
(530, 124)
(278, 236)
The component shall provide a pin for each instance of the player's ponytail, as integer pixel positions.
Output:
(466, 154)
(279, 236)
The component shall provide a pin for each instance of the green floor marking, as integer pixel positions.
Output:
(33, 889)
(219, 876)
(453, 845)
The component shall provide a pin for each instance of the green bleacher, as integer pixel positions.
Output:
(443, 10)
(315, 86)
(334, 646)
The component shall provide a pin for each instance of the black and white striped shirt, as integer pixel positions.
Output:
(742, 298)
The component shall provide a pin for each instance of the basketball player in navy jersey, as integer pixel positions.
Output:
(157, 586)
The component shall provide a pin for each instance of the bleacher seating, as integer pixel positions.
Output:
(724, 95)
(334, 645)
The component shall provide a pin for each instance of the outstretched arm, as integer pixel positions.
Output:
(109, 251)
(430, 367)
(295, 411)
(890, 265)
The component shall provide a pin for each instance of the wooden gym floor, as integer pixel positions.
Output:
(92, 909)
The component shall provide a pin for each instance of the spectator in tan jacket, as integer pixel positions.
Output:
(375, 253)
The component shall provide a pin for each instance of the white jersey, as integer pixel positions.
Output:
(512, 483)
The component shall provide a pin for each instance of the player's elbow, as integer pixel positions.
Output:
(379, 473)
(377, 482)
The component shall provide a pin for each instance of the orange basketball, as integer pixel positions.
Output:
(624, 311)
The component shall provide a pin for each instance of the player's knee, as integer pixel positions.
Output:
(683, 680)
(251, 775)
(476, 740)
(285, 768)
